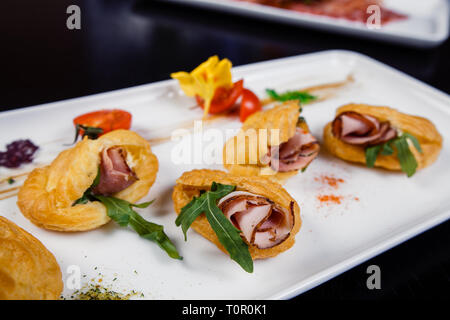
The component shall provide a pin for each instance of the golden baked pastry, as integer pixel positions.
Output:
(191, 183)
(28, 271)
(47, 198)
(398, 123)
(274, 144)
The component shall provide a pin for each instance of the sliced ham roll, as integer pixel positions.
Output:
(361, 129)
(294, 154)
(115, 174)
(262, 222)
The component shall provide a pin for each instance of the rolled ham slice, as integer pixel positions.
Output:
(262, 222)
(115, 174)
(294, 154)
(360, 129)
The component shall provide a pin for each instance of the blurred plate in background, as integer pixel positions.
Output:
(426, 23)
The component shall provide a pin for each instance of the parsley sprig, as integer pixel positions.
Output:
(408, 162)
(228, 235)
(303, 96)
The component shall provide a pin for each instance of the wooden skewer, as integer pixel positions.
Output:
(9, 190)
(9, 196)
(157, 141)
(320, 87)
(14, 177)
(189, 125)
(332, 85)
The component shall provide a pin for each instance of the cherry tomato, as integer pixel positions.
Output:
(224, 98)
(250, 104)
(108, 120)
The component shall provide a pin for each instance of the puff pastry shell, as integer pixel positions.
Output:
(245, 158)
(190, 184)
(47, 195)
(28, 271)
(429, 138)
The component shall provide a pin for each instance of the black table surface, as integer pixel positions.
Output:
(127, 43)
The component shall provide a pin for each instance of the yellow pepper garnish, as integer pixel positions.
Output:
(205, 79)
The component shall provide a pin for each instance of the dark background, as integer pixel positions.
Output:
(128, 43)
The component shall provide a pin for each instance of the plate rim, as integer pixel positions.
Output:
(397, 236)
(323, 23)
(339, 53)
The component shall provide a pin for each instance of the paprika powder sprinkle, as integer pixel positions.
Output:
(330, 181)
(329, 198)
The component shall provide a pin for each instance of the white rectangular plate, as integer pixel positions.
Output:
(426, 26)
(389, 208)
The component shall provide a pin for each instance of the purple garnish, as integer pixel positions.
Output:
(17, 152)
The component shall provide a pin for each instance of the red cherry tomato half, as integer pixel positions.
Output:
(224, 98)
(108, 120)
(250, 104)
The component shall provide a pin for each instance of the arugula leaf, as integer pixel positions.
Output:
(371, 155)
(193, 209)
(303, 96)
(83, 200)
(87, 195)
(386, 149)
(121, 211)
(300, 120)
(228, 235)
(189, 213)
(91, 132)
(413, 140)
(408, 162)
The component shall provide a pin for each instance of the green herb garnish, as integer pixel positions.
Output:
(91, 132)
(371, 155)
(301, 119)
(303, 96)
(228, 235)
(408, 162)
(84, 199)
(11, 181)
(122, 212)
(88, 195)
